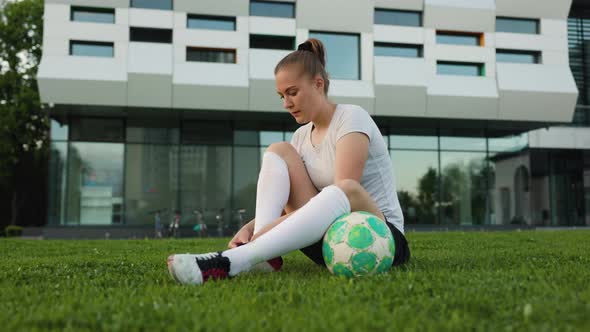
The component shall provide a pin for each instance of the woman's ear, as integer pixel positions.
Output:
(318, 83)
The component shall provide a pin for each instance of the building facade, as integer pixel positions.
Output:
(161, 105)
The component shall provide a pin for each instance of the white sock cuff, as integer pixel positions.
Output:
(338, 195)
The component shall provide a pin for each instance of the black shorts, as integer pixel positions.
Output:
(402, 250)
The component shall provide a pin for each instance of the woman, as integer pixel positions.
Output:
(335, 164)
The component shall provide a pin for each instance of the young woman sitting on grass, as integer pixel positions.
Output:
(337, 162)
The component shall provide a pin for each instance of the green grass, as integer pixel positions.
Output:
(493, 281)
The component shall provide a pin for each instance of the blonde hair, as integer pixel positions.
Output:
(311, 58)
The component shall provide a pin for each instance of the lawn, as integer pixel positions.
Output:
(497, 281)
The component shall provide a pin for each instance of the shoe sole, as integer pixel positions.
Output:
(170, 268)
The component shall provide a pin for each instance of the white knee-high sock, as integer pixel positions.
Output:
(272, 190)
(303, 228)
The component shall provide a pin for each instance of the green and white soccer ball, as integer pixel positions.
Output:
(357, 244)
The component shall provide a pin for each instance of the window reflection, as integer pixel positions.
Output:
(59, 131)
(57, 182)
(463, 197)
(95, 183)
(343, 54)
(149, 181)
(205, 173)
(416, 175)
(245, 175)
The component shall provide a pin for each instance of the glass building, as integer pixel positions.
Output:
(115, 160)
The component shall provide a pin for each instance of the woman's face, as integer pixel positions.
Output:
(299, 93)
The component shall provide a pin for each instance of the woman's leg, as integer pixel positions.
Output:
(283, 184)
(304, 227)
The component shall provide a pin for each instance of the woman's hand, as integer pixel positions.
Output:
(243, 236)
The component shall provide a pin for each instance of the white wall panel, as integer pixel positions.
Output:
(149, 18)
(560, 138)
(214, 74)
(367, 52)
(92, 3)
(272, 26)
(544, 92)
(213, 7)
(462, 97)
(150, 58)
(461, 15)
(555, 58)
(263, 62)
(533, 8)
(400, 4)
(349, 16)
(398, 34)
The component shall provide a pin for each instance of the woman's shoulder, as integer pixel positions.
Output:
(353, 113)
(299, 132)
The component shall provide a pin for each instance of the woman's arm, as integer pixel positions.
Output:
(352, 151)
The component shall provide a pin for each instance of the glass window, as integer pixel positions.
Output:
(399, 50)
(416, 176)
(245, 179)
(205, 184)
(246, 138)
(97, 129)
(207, 132)
(517, 25)
(152, 4)
(518, 56)
(149, 183)
(150, 35)
(95, 183)
(211, 22)
(272, 9)
(458, 39)
(458, 143)
(398, 17)
(343, 54)
(210, 55)
(86, 48)
(459, 68)
(289, 136)
(508, 143)
(269, 137)
(413, 142)
(272, 42)
(463, 198)
(59, 131)
(90, 14)
(58, 156)
(153, 135)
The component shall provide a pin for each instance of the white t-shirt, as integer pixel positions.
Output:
(377, 179)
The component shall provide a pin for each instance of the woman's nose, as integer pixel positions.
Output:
(286, 103)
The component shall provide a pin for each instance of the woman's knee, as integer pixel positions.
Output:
(350, 187)
(283, 149)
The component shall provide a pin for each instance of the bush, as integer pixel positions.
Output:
(13, 231)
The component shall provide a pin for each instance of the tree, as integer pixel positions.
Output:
(23, 122)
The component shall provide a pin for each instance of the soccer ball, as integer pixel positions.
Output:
(357, 244)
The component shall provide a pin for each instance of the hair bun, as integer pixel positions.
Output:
(316, 47)
(305, 46)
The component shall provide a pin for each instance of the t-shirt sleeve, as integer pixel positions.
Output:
(295, 139)
(354, 120)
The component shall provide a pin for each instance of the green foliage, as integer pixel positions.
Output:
(13, 230)
(23, 122)
(494, 281)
